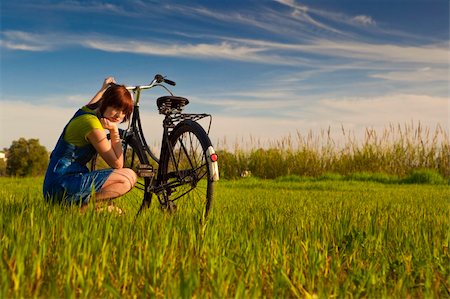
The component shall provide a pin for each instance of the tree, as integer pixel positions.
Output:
(26, 158)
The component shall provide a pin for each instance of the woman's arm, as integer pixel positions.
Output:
(111, 152)
(100, 93)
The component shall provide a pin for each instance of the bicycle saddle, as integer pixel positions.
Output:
(171, 104)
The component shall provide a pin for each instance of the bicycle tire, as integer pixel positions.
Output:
(185, 169)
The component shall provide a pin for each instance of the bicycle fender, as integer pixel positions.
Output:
(212, 164)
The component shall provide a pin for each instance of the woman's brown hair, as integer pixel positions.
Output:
(116, 96)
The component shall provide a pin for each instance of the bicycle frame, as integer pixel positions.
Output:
(135, 129)
(169, 122)
(134, 135)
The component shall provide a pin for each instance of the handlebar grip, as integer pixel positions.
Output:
(170, 82)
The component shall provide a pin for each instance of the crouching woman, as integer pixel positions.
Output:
(68, 179)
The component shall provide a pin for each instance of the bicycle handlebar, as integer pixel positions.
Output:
(160, 79)
(170, 82)
(155, 82)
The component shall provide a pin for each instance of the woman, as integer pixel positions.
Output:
(67, 178)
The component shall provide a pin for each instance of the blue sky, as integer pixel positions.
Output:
(264, 69)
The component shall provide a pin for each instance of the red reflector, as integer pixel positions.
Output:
(213, 157)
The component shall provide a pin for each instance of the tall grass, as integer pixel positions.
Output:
(398, 150)
(276, 239)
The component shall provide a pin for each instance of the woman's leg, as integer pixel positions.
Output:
(118, 183)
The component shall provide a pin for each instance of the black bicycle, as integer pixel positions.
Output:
(187, 166)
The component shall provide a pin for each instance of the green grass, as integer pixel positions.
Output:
(291, 237)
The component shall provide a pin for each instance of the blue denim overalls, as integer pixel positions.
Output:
(67, 177)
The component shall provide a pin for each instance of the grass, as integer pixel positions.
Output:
(291, 237)
(396, 151)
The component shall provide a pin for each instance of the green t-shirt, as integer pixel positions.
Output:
(79, 127)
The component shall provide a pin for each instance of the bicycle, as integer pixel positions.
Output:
(187, 166)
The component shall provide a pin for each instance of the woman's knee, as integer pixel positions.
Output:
(132, 176)
(129, 177)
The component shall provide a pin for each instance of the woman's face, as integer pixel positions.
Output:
(114, 114)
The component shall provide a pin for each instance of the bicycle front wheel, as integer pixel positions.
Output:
(186, 170)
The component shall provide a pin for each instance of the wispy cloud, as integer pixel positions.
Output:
(425, 66)
(306, 47)
(436, 54)
(222, 50)
(425, 74)
(24, 41)
(73, 6)
(302, 14)
(392, 53)
(251, 50)
(363, 20)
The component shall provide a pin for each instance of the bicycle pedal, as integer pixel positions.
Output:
(145, 170)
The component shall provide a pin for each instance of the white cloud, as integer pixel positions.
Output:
(302, 13)
(22, 46)
(269, 52)
(355, 51)
(363, 20)
(224, 50)
(310, 15)
(76, 6)
(214, 50)
(433, 54)
(24, 41)
(425, 74)
(249, 50)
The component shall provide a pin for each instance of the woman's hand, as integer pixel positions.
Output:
(107, 82)
(99, 94)
(109, 125)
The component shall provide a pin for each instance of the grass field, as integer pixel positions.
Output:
(397, 151)
(265, 238)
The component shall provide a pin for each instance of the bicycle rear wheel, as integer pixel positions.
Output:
(185, 170)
